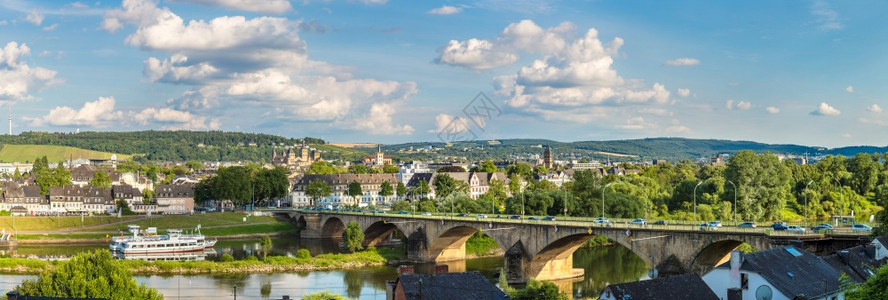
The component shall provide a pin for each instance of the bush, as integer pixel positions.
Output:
(303, 254)
(251, 258)
(226, 258)
(323, 295)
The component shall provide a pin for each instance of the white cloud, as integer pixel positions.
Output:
(873, 121)
(636, 123)
(827, 18)
(379, 121)
(449, 124)
(744, 105)
(682, 62)
(524, 36)
(35, 17)
(772, 110)
(677, 129)
(99, 114)
(740, 105)
(171, 119)
(729, 104)
(874, 108)
(826, 110)
(683, 92)
(849, 89)
(79, 5)
(266, 6)
(369, 2)
(177, 69)
(445, 10)
(51, 27)
(17, 79)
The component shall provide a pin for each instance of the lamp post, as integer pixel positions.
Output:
(735, 200)
(806, 202)
(695, 201)
(841, 200)
(602, 198)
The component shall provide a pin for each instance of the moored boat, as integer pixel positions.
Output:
(149, 242)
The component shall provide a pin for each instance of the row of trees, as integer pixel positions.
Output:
(243, 185)
(323, 167)
(762, 186)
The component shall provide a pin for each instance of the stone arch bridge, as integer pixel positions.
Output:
(537, 249)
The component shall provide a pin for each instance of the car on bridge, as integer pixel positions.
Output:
(638, 222)
(661, 222)
(425, 213)
(462, 215)
(603, 221)
(778, 226)
(861, 227)
(403, 212)
(533, 218)
(515, 217)
(823, 226)
(796, 229)
(747, 225)
(715, 224)
(481, 216)
(549, 218)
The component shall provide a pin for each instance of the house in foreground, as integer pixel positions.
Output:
(442, 286)
(684, 286)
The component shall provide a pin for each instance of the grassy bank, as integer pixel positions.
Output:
(59, 223)
(482, 245)
(369, 258)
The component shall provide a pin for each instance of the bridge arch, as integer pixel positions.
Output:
(379, 231)
(711, 255)
(332, 228)
(301, 222)
(451, 244)
(555, 261)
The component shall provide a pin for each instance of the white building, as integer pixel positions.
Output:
(371, 185)
(406, 171)
(783, 273)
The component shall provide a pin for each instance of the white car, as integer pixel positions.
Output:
(861, 227)
(638, 222)
(604, 221)
(796, 228)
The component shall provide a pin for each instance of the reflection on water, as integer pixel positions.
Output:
(602, 265)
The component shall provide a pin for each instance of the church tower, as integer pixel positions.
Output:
(548, 160)
(380, 158)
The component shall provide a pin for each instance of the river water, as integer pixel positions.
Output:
(603, 266)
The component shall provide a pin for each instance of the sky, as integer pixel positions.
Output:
(393, 71)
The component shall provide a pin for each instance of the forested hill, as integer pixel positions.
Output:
(671, 149)
(166, 145)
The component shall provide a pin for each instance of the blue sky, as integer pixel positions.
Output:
(801, 72)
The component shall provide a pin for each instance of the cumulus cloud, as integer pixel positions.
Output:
(744, 105)
(445, 10)
(738, 105)
(826, 110)
(524, 36)
(827, 18)
(683, 92)
(17, 79)
(35, 17)
(266, 6)
(636, 123)
(233, 61)
(772, 110)
(448, 124)
(874, 108)
(172, 119)
(79, 5)
(849, 89)
(99, 114)
(682, 62)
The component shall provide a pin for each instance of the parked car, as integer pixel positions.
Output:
(481, 216)
(638, 222)
(661, 222)
(380, 211)
(515, 217)
(747, 225)
(549, 218)
(533, 218)
(778, 226)
(462, 215)
(604, 221)
(403, 212)
(708, 226)
(715, 224)
(823, 226)
(796, 228)
(425, 213)
(861, 227)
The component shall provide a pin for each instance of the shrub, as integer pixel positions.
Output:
(226, 258)
(303, 254)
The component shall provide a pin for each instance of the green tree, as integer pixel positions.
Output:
(194, 165)
(446, 185)
(488, 167)
(389, 169)
(497, 191)
(357, 169)
(876, 287)
(270, 184)
(323, 295)
(88, 275)
(322, 167)
(100, 179)
(317, 189)
(402, 189)
(514, 184)
(266, 244)
(353, 236)
(539, 290)
(17, 174)
(540, 169)
(762, 185)
(522, 170)
(354, 190)
(233, 183)
(385, 189)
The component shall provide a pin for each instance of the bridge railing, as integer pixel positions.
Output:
(587, 223)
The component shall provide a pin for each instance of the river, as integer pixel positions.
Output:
(603, 266)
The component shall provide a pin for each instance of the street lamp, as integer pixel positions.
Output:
(695, 201)
(841, 200)
(806, 202)
(602, 198)
(735, 200)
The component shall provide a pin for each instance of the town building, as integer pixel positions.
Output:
(25, 200)
(406, 171)
(128, 194)
(684, 286)
(443, 286)
(371, 185)
(76, 199)
(175, 198)
(294, 158)
(880, 244)
(558, 178)
(378, 159)
(479, 182)
(548, 159)
(82, 175)
(785, 273)
(859, 263)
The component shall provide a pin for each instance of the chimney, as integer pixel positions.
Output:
(285, 297)
(405, 270)
(736, 262)
(441, 269)
(735, 294)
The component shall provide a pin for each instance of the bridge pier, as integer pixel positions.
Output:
(517, 262)
(311, 226)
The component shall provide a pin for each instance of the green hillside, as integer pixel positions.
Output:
(330, 152)
(27, 153)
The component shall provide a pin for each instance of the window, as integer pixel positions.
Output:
(744, 281)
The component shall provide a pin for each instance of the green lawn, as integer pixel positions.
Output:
(57, 223)
(27, 153)
(163, 222)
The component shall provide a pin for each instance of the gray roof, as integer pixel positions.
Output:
(857, 262)
(684, 286)
(802, 274)
(346, 178)
(883, 239)
(175, 191)
(449, 286)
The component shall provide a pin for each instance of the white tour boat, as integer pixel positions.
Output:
(149, 242)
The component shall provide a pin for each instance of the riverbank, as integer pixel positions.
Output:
(250, 265)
